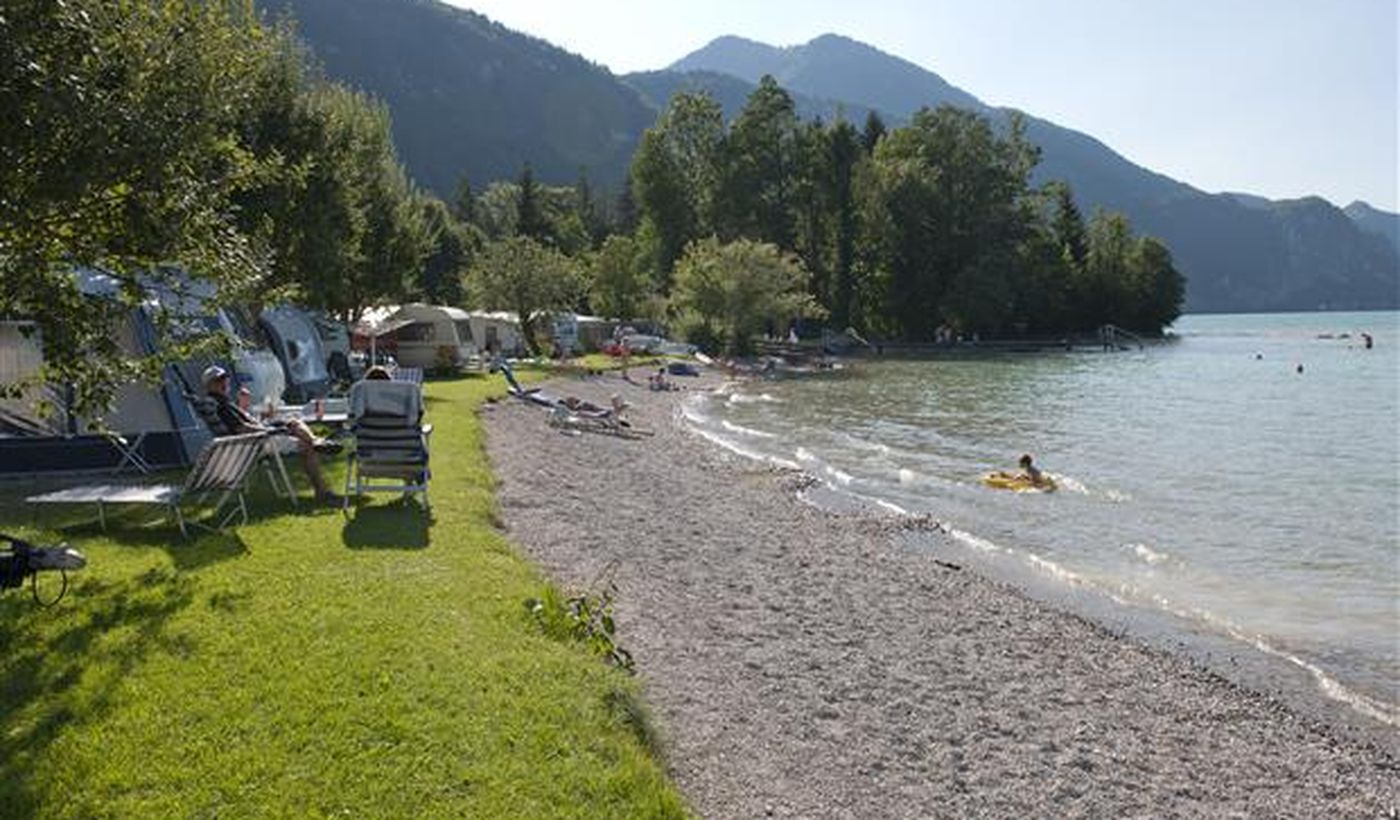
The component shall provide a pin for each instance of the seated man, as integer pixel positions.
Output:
(235, 420)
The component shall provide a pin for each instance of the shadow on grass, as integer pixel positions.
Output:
(402, 524)
(64, 668)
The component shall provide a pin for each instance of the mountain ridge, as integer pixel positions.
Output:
(1238, 252)
(470, 96)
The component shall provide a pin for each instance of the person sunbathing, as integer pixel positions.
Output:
(589, 410)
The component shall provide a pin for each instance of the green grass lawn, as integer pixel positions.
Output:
(310, 665)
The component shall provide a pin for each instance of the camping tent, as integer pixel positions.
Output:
(297, 343)
(159, 416)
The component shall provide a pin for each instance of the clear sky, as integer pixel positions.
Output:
(1281, 98)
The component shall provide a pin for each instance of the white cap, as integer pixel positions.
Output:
(213, 372)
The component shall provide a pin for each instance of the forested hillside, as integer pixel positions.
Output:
(1264, 255)
(472, 97)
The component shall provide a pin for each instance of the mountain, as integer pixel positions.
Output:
(470, 96)
(657, 88)
(1375, 221)
(1239, 252)
(833, 67)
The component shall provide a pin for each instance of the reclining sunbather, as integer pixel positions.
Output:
(587, 409)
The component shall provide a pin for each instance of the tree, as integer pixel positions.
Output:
(693, 131)
(810, 189)
(660, 190)
(1158, 289)
(760, 165)
(586, 210)
(1067, 223)
(844, 148)
(348, 225)
(522, 275)
(464, 201)
(874, 131)
(619, 285)
(946, 197)
(728, 292)
(123, 147)
(530, 218)
(453, 246)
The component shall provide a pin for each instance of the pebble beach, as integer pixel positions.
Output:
(801, 663)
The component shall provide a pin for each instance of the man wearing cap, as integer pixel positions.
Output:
(236, 420)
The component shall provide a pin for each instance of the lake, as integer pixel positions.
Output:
(1204, 479)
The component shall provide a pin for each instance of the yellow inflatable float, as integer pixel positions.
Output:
(1017, 482)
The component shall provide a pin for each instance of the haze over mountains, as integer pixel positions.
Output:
(469, 96)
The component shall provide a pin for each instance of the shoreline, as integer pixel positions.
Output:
(806, 663)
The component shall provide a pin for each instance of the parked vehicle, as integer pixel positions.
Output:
(497, 330)
(425, 336)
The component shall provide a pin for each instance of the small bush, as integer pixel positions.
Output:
(584, 618)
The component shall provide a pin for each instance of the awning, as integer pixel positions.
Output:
(383, 329)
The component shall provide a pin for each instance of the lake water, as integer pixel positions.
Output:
(1205, 479)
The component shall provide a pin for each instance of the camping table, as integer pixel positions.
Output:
(334, 413)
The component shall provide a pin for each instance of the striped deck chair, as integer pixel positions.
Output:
(274, 447)
(411, 375)
(218, 474)
(391, 443)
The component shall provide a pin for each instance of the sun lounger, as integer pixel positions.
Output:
(220, 470)
(604, 421)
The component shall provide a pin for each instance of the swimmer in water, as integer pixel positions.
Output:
(1029, 471)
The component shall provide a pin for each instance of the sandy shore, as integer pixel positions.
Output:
(806, 664)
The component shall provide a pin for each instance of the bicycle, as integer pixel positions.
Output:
(22, 559)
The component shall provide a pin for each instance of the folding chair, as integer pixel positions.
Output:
(411, 375)
(221, 469)
(390, 442)
(274, 447)
(130, 452)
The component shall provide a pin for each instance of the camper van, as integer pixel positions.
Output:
(427, 336)
(297, 344)
(497, 330)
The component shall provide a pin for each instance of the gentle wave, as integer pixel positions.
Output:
(745, 431)
(1141, 554)
(892, 507)
(1069, 483)
(750, 398)
(1328, 685)
(864, 444)
(807, 457)
(1149, 555)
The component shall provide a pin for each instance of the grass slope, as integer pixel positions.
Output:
(383, 666)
